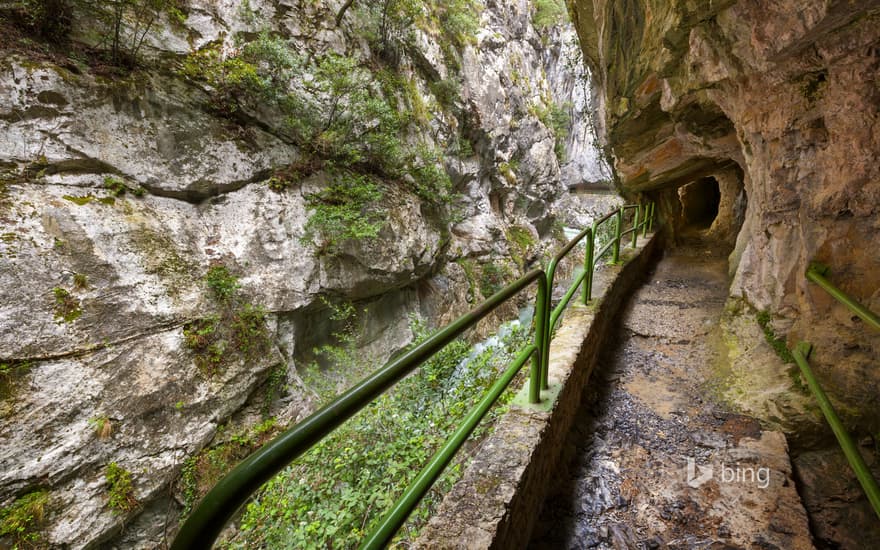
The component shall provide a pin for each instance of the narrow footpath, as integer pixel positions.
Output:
(655, 460)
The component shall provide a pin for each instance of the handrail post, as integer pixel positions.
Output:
(615, 258)
(588, 265)
(647, 217)
(538, 375)
(800, 353)
(636, 226)
(651, 217)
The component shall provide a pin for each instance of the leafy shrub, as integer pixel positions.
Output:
(222, 283)
(334, 494)
(548, 13)
(258, 71)
(21, 520)
(447, 91)
(432, 183)
(120, 488)
(459, 20)
(344, 210)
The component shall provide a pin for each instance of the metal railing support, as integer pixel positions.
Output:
(618, 228)
(635, 229)
(588, 265)
(800, 353)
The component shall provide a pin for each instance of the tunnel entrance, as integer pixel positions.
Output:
(699, 203)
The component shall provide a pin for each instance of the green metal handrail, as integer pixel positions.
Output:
(392, 521)
(817, 273)
(213, 512)
(207, 520)
(586, 277)
(800, 353)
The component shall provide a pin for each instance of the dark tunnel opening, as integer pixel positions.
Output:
(699, 203)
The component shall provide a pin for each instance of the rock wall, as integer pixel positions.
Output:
(779, 103)
(120, 192)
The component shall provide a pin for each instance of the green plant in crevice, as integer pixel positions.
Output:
(67, 306)
(80, 281)
(776, 342)
(344, 210)
(520, 243)
(20, 521)
(11, 373)
(239, 329)
(102, 426)
(203, 470)
(432, 182)
(120, 489)
(222, 283)
(548, 13)
(115, 185)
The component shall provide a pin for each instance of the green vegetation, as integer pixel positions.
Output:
(223, 284)
(238, 331)
(508, 170)
(102, 426)
(346, 209)
(345, 117)
(493, 278)
(776, 342)
(335, 493)
(115, 185)
(79, 201)
(548, 13)
(520, 243)
(20, 521)
(121, 26)
(432, 183)
(204, 470)
(557, 119)
(67, 306)
(120, 488)
(80, 281)
(10, 373)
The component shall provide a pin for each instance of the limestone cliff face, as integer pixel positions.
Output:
(97, 286)
(776, 105)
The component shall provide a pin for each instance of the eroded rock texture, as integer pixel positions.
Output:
(779, 104)
(773, 107)
(97, 286)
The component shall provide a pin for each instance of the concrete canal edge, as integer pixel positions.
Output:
(495, 503)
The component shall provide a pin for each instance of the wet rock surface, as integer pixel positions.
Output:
(652, 460)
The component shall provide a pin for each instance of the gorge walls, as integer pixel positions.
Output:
(174, 247)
